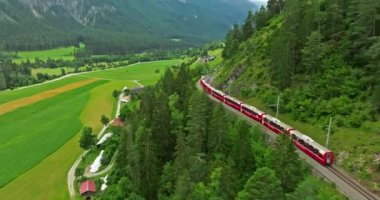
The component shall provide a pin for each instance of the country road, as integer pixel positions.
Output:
(71, 174)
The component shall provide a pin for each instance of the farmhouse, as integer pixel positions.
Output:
(206, 59)
(117, 122)
(87, 189)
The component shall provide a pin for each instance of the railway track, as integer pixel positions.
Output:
(346, 184)
(355, 185)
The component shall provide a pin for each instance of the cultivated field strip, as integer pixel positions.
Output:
(13, 105)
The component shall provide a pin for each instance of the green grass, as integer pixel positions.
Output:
(61, 53)
(47, 179)
(10, 95)
(218, 58)
(212, 64)
(43, 128)
(65, 53)
(145, 73)
(51, 71)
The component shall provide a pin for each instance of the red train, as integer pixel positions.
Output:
(302, 142)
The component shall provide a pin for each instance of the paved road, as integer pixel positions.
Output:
(71, 174)
(341, 185)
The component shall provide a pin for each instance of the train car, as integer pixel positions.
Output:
(316, 151)
(276, 125)
(252, 112)
(232, 102)
(205, 85)
(218, 94)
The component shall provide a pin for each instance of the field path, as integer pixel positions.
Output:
(10, 106)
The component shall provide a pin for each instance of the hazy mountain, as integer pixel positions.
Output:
(137, 23)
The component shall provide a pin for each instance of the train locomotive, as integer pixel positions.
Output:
(304, 143)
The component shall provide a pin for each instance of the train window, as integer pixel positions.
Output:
(294, 137)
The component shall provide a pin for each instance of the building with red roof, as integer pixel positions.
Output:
(117, 122)
(87, 189)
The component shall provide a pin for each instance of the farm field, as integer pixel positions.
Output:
(46, 178)
(145, 73)
(51, 71)
(65, 53)
(10, 95)
(36, 134)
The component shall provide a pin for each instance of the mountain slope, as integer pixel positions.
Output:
(322, 62)
(134, 23)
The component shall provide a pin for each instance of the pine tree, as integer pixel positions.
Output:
(312, 53)
(262, 185)
(233, 40)
(149, 171)
(161, 128)
(218, 140)
(248, 26)
(168, 82)
(285, 162)
(242, 149)
(197, 123)
(261, 18)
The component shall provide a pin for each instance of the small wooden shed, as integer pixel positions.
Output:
(87, 189)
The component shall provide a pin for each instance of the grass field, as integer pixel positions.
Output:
(51, 71)
(22, 102)
(145, 73)
(212, 64)
(65, 53)
(44, 127)
(10, 95)
(48, 178)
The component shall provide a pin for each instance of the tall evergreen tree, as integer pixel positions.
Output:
(149, 171)
(248, 26)
(242, 152)
(197, 123)
(161, 128)
(218, 140)
(285, 162)
(312, 53)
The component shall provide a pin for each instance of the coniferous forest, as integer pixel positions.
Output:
(178, 144)
(322, 57)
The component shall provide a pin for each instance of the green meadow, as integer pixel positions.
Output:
(65, 53)
(51, 71)
(42, 129)
(40, 147)
(145, 73)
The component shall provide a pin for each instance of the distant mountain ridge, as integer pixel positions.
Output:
(151, 23)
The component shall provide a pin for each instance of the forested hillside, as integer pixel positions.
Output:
(116, 26)
(320, 59)
(178, 144)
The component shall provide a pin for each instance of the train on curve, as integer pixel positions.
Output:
(302, 142)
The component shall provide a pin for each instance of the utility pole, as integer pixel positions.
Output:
(278, 106)
(328, 133)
